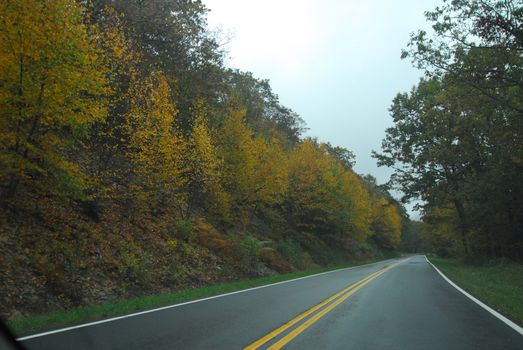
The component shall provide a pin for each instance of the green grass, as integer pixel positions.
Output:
(52, 320)
(498, 285)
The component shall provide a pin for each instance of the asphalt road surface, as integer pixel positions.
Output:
(393, 304)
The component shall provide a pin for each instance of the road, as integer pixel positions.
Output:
(393, 304)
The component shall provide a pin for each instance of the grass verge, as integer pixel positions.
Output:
(500, 285)
(25, 325)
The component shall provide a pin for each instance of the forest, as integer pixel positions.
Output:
(133, 160)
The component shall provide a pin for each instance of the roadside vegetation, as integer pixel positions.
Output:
(92, 313)
(498, 283)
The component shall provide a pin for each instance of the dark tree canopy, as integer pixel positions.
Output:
(457, 139)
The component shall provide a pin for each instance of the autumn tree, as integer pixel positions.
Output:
(308, 191)
(324, 196)
(173, 37)
(342, 155)
(264, 114)
(204, 184)
(360, 207)
(255, 171)
(438, 232)
(157, 148)
(110, 139)
(50, 94)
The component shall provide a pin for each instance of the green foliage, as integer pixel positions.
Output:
(411, 237)
(184, 228)
(457, 138)
(294, 253)
(250, 251)
(136, 267)
(344, 156)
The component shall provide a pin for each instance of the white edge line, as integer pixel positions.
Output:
(60, 330)
(480, 303)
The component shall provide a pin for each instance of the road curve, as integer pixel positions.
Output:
(393, 304)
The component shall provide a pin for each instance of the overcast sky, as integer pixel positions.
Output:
(335, 62)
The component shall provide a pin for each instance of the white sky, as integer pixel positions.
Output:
(336, 63)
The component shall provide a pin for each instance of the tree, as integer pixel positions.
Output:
(157, 148)
(386, 224)
(458, 135)
(412, 240)
(360, 208)
(107, 148)
(254, 169)
(50, 94)
(264, 112)
(204, 176)
(344, 156)
(324, 196)
(310, 176)
(173, 37)
(438, 231)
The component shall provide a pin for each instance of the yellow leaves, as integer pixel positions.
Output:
(270, 171)
(361, 211)
(52, 83)
(310, 175)
(440, 227)
(205, 161)
(255, 170)
(328, 197)
(236, 150)
(204, 185)
(55, 73)
(157, 148)
(47, 59)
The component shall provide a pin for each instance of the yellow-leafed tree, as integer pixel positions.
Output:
(270, 175)
(52, 79)
(204, 173)
(255, 172)
(361, 208)
(311, 181)
(157, 148)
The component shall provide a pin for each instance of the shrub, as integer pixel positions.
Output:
(250, 249)
(137, 266)
(204, 234)
(274, 260)
(294, 253)
(184, 228)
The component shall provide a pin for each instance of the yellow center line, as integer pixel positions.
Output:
(283, 341)
(301, 316)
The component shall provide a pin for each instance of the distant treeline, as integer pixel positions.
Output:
(457, 139)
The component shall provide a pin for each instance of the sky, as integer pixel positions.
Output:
(335, 62)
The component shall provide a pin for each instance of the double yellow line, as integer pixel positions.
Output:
(334, 301)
